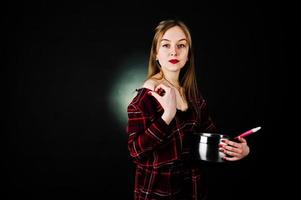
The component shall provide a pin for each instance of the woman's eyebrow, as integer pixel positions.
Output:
(169, 40)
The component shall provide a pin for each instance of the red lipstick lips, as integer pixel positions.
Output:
(174, 61)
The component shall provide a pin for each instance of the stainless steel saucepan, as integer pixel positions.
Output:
(206, 147)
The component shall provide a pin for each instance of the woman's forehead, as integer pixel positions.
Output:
(174, 34)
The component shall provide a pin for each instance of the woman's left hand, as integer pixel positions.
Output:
(235, 150)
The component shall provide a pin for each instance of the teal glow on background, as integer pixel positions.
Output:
(131, 75)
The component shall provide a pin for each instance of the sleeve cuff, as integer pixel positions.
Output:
(159, 129)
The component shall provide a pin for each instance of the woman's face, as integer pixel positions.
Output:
(173, 49)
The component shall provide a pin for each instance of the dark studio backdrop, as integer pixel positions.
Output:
(69, 70)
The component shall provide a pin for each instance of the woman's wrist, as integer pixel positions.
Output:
(167, 118)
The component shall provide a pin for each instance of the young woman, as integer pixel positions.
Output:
(162, 117)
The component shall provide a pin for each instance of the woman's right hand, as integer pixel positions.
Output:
(167, 101)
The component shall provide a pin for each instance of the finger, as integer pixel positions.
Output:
(236, 150)
(155, 94)
(242, 140)
(164, 87)
(224, 141)
(234, 144)
(230, 158)
(230, 153)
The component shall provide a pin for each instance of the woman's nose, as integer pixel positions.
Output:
(173, 52)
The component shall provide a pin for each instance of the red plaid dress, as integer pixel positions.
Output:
(161, 152)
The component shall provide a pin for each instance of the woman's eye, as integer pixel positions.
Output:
(181, 45)
(166, 45)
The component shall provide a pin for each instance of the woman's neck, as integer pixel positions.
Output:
(172, 78)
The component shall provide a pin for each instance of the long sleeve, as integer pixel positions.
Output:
(144, 133)
(153, 143)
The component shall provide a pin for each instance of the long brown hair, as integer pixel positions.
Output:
(187, 74)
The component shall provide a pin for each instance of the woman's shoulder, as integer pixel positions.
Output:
(150, 84)
(142, 92)
(142, 99)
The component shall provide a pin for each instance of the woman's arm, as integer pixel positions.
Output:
(144, 133)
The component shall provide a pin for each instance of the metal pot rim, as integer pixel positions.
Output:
(217, 135)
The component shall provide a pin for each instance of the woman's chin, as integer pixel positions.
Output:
(173, 68)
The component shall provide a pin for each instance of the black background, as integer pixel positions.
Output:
(61, 139)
